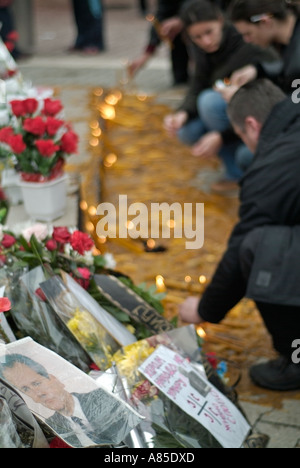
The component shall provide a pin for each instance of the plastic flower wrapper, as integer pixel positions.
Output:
(169, 423)
(6, 334)
(64, 399)
(9, 437)
(35, 318)
(92, 336)
(8, 66)
(116, 329)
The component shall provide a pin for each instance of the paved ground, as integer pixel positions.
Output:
(126, 33)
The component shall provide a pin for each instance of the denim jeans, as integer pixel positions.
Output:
(212, 110)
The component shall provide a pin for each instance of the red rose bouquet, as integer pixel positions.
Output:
(39, 139)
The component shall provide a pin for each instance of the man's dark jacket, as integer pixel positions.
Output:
(270, 196)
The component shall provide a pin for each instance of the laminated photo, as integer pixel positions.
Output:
(64, 398)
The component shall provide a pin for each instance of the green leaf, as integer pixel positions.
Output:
(99, 261)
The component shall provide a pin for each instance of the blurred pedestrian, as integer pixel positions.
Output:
(89, 21)
(143, 6)
(166, 27)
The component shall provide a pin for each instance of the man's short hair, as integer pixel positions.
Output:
(255, 99)
(10, 360)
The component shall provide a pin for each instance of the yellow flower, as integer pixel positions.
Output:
(129, 358)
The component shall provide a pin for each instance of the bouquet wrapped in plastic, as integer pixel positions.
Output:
(166, 379)
(35, 318)
(89, 332)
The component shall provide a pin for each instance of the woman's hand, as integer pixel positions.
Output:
(243, 76)
(135, 66)
(174, 122)
(208, 146)
(228, 92)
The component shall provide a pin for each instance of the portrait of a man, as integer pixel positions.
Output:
(80, 418)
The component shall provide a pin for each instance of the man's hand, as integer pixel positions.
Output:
(188, 311)
(208, 146)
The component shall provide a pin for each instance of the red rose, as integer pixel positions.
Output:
(2, 194)
(142, 390)
(40, 294)
(83, 277)
(69, 142)
(30, 105)
(53, 125)
(35, 126)
(13, 35)
(5, 304)
(52, 107)
(51, 245)
(5, 134)
(81, 242)
(47, 148)
(17, 144)
(18, 108)
(2, 260)
(8, 241)
(61, 235)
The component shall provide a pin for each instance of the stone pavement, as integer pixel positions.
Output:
(73, 76)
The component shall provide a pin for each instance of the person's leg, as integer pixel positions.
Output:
(228, 157)
(89, 20)
(212, 109)
(190, 133)
(180, 61)
(143, 6)
(243, 157)
(283, 324)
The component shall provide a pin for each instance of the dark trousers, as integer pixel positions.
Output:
(143, 5)
(282, 322)
(180, 60)
(89, 21)
(8, 27)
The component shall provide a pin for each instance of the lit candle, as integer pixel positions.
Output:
(160, 284)
(201, 333)
(202, 279)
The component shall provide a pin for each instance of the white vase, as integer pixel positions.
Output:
(45, 201)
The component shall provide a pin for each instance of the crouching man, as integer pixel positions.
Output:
(262, 261)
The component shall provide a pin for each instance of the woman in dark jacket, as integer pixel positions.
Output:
(218, 51)
(266, 23)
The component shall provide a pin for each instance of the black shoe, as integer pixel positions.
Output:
(279, 375)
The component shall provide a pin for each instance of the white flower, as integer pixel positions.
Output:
(68, 249)
(110, 261)
(89, 258)
(39, 230)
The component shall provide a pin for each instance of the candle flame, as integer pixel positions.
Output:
(151, 243)
(160, 283)
(107, 112)
(202, 279)
(201, 332)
